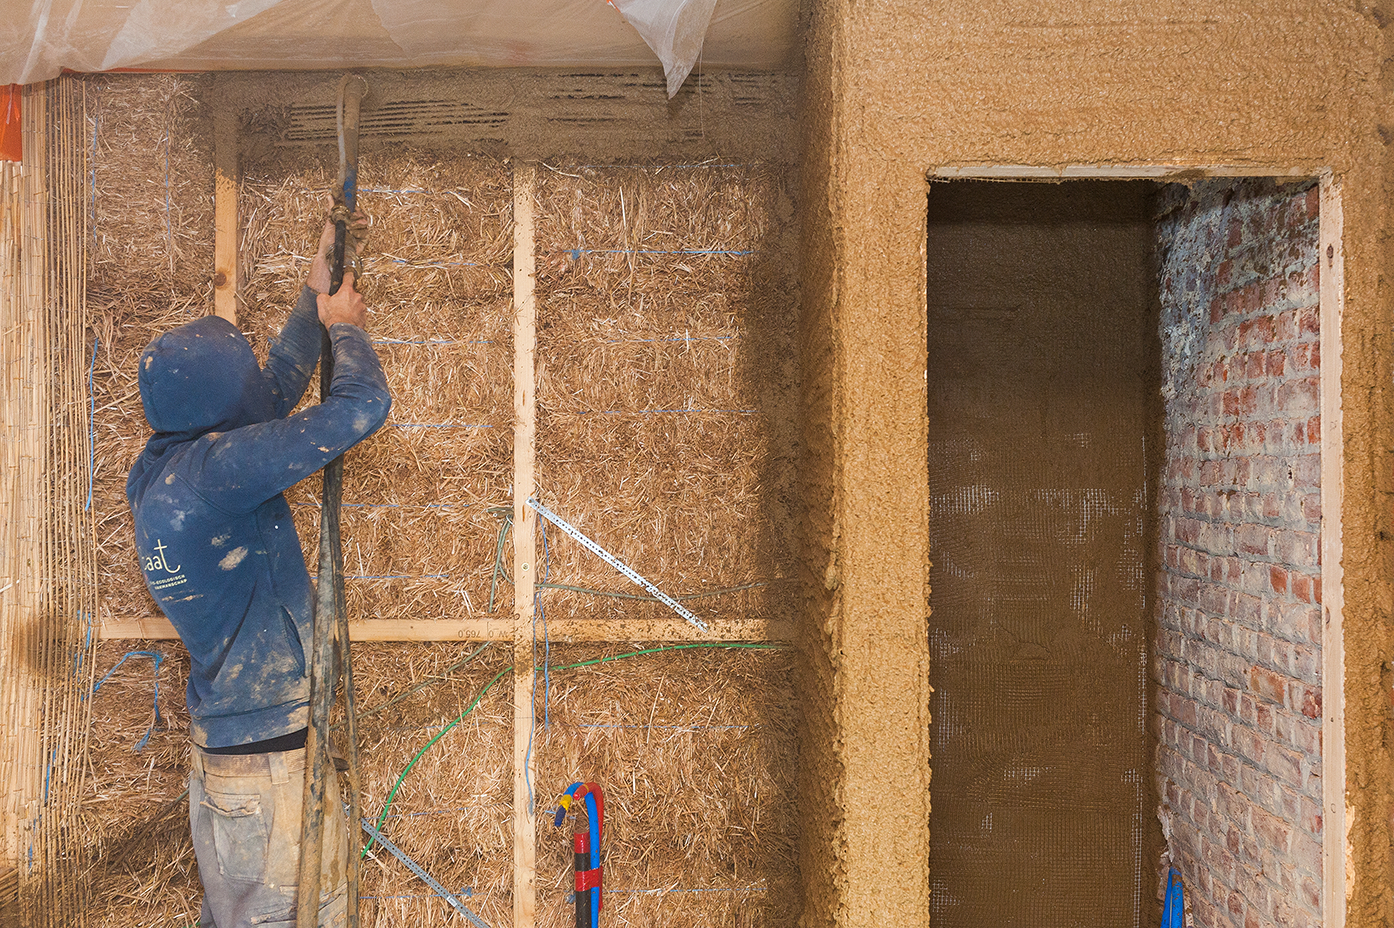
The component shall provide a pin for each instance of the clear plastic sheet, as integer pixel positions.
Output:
(674, 29)
(40, 38)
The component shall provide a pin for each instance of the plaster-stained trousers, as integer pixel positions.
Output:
(244, 813)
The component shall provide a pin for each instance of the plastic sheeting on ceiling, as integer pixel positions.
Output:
(39, 38)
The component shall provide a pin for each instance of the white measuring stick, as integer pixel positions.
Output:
(426, 878)
(616, 563)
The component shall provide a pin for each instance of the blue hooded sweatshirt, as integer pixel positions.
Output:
(213, 530)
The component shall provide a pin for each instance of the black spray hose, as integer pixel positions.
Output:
(330, 656)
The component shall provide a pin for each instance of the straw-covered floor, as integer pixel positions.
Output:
(662, 318)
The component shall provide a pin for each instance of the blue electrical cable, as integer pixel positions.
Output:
(593, 826)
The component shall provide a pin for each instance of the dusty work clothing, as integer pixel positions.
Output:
(221, 556)
(213, 531)
(244, 813)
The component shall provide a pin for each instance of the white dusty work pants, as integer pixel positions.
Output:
(244, 813)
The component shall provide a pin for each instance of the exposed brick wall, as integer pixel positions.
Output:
(1238, 700)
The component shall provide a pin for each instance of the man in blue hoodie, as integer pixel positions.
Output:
(222, 558)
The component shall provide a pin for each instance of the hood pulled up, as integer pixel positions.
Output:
(202, 377)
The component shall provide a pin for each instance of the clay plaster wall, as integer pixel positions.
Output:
(894, 91)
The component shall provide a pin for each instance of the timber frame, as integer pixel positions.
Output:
(519, 628)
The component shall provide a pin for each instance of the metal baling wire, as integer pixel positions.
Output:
(546, 638)
(577, 252)
(169, 223)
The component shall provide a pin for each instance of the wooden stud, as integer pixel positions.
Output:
(1335, 846)
(524, 548)
(225, 216)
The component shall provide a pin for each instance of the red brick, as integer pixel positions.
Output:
(1308, 321)
(1251, 400)
(1305, 854)
(1271, 830)
(1266, 684)
(1278, 580)
(1308, 701)
(1309, 815)
(1307, 470)
(1299, 397)
(1261, 334)
(1302, 662)
(1252, 539)
(1285, 325)
(1235, 905)
(1286, 766)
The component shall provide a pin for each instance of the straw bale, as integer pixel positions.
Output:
(140, 863)
(711, 206)
(152, 185)
(696, 752)
(453, 813)
(675, 499)
(419, 539)
(660, 414)
(151, 213)
(440, 244)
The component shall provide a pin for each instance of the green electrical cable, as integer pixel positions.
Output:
(387, 807)
(382, 819)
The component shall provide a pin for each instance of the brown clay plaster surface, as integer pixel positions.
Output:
(1261, 87)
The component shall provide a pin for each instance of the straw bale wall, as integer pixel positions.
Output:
(150, 269)
(665, 379)
(663, 386)
(696, 751)
(420, 534)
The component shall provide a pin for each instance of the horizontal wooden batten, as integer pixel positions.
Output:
(501, 629)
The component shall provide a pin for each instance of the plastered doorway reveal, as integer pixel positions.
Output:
(1123, 406)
